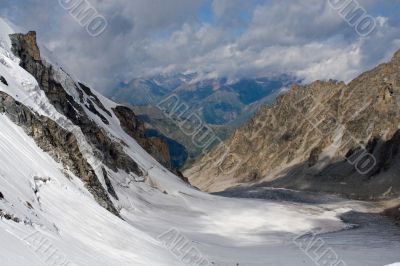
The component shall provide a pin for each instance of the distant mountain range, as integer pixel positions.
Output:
(219, 101)
(222, 104)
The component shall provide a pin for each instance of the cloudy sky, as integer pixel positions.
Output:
(225, 38)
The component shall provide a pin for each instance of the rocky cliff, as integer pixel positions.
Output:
(325, 136)
(59, 143)
(136, 129)
(82, 107)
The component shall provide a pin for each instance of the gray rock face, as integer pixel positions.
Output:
(3, 80)
(59, 143)
(136, 129)
(24, 46)
(314, 138)
(94, 98)
(110, 188)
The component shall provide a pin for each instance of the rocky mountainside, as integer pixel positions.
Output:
(25, 47)
(325, 136)
(73, 167)
(71, 99)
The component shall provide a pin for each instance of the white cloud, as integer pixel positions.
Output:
(303, 37)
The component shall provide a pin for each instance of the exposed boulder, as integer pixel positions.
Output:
(3, 80)
(9, 216)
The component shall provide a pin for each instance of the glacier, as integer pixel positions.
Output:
(58, 222)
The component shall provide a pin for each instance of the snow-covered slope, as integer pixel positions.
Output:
(52, 218)
(62, 211)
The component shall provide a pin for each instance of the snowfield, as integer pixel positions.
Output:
(56, 221)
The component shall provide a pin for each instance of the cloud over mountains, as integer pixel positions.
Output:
(230, 38)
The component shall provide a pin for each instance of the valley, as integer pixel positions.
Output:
(88, 181)
(221, 104)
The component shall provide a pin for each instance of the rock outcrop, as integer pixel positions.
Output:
(57, 142)
(3, 80)
(110, 152)
(25, 47)
(326, 136)
(80, 105)
(135, 128)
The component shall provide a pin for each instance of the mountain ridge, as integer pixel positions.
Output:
(319, 125)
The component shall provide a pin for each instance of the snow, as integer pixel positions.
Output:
(66, 214)
(60, 212)
(83, 227)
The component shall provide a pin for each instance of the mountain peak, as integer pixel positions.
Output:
(27, 43)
